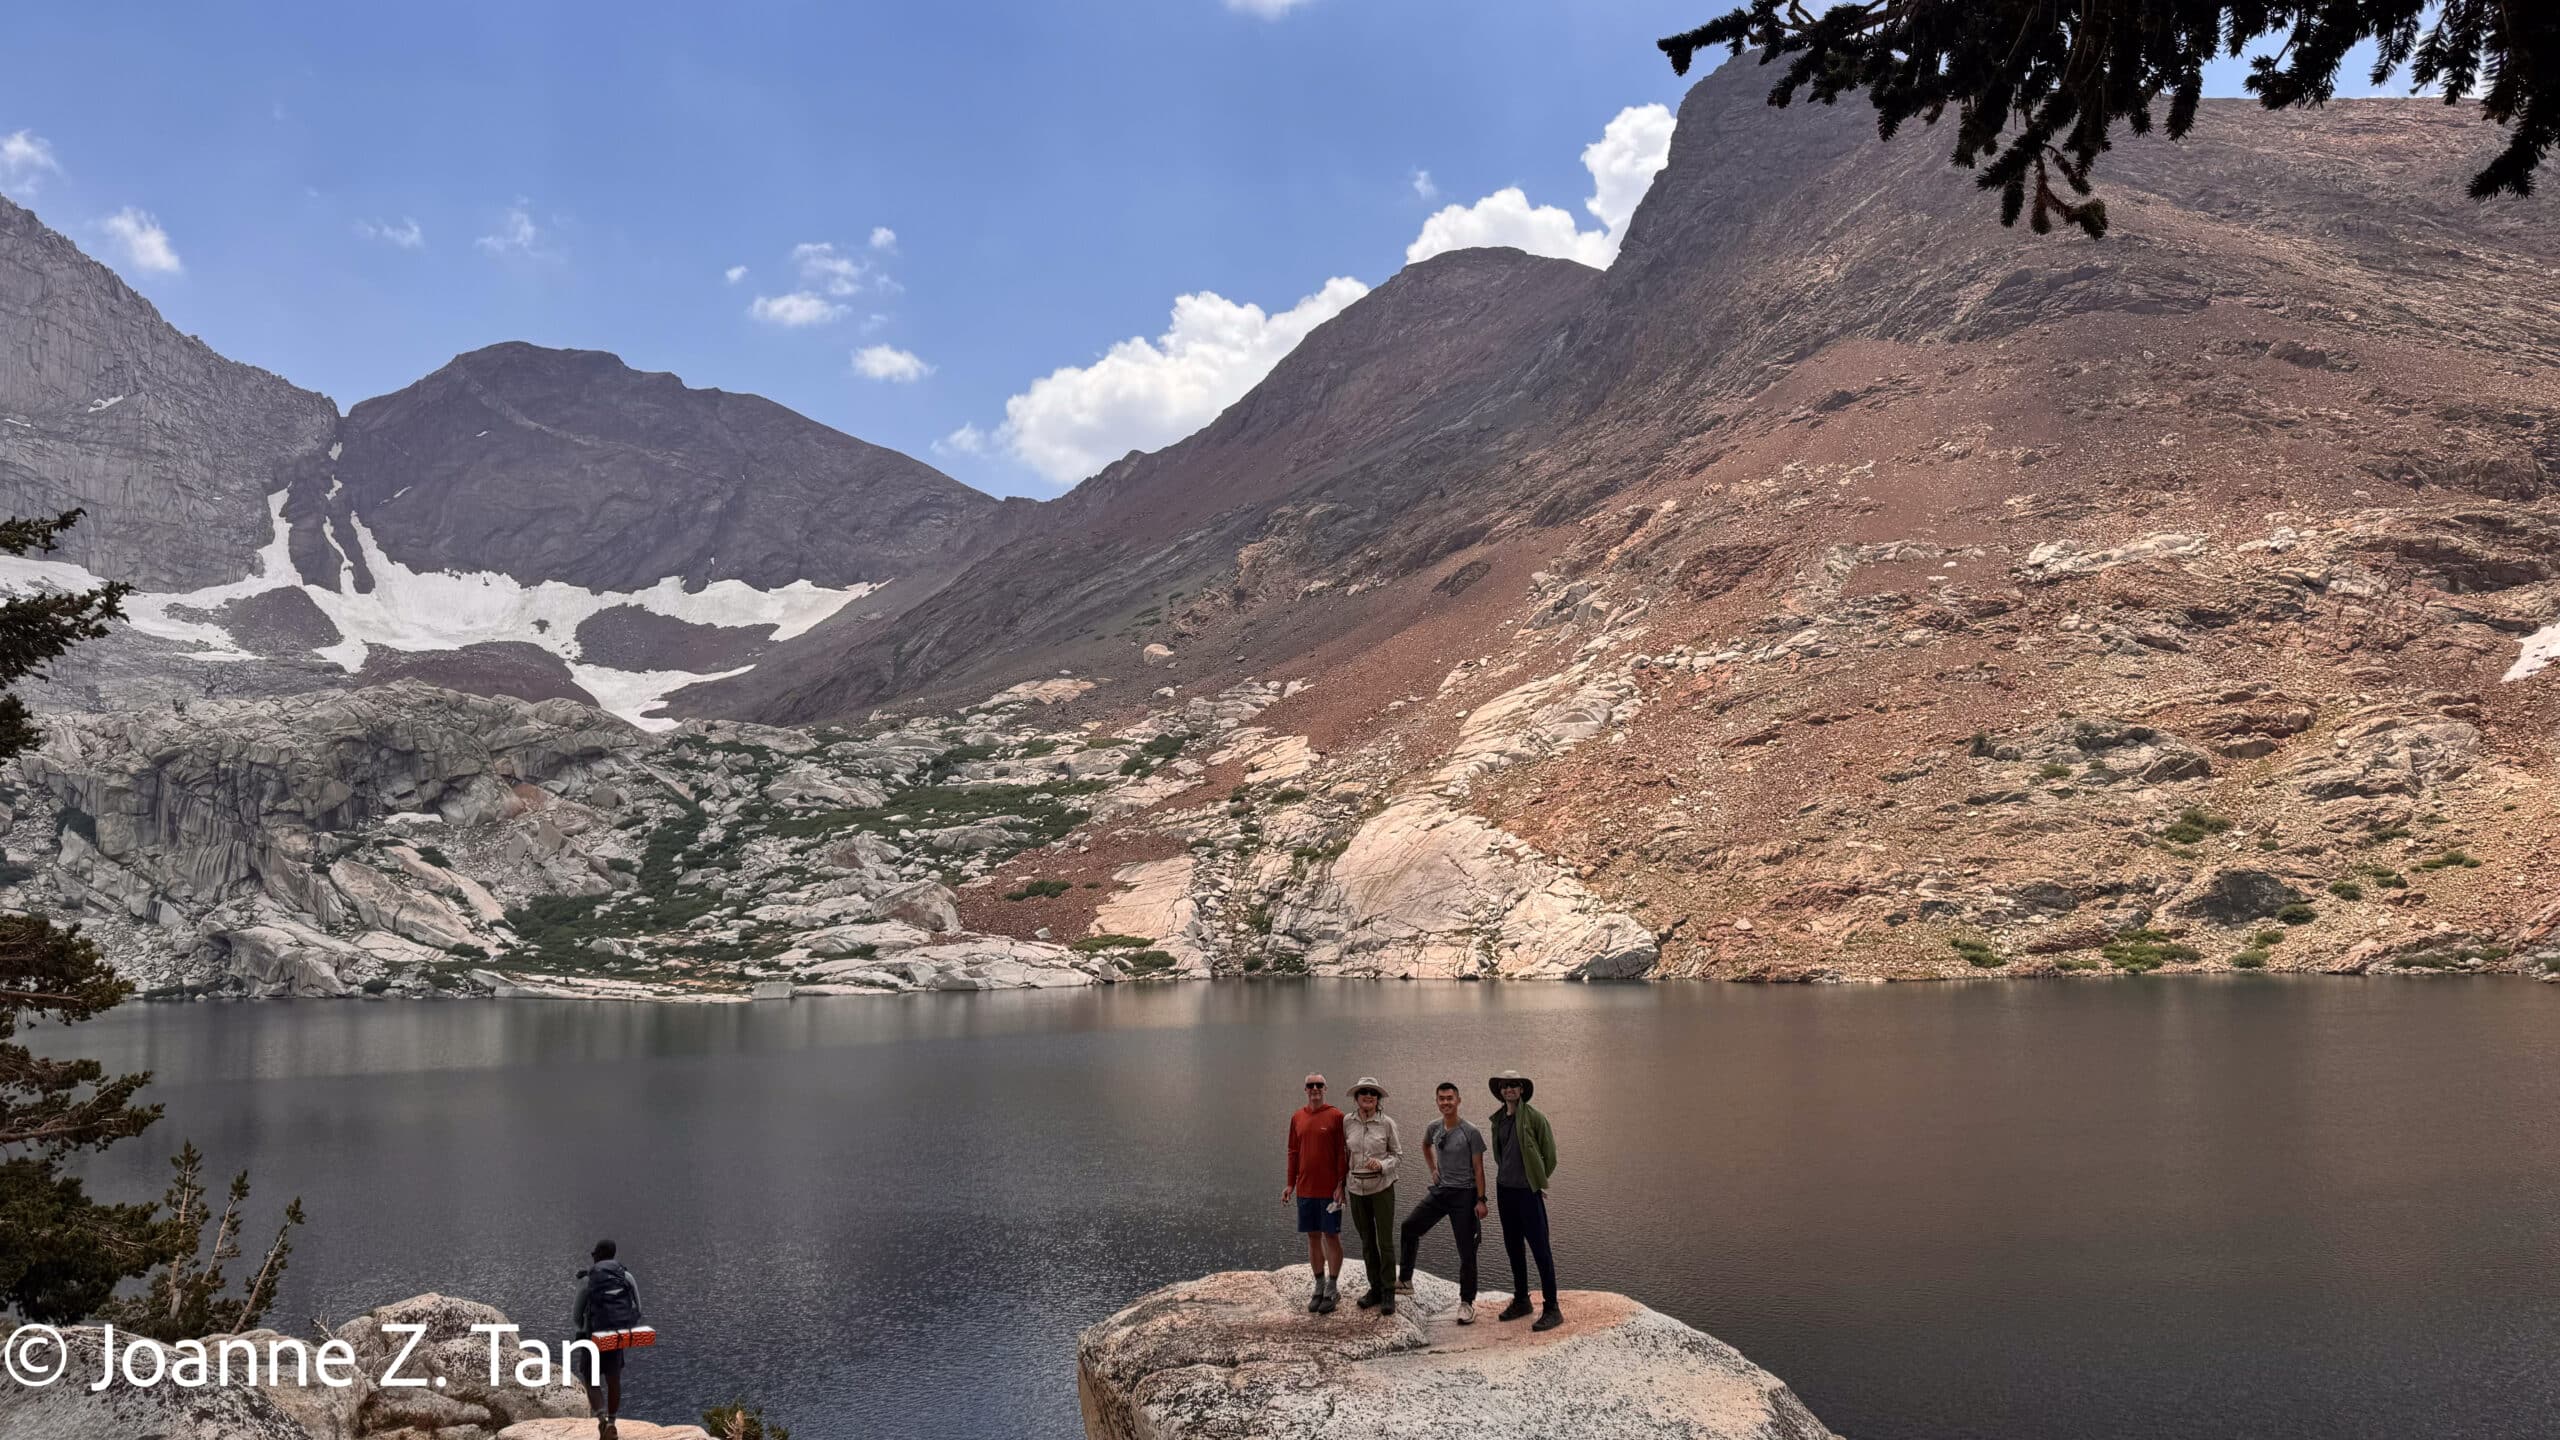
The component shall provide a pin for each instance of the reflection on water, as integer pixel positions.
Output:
(2257, 1206)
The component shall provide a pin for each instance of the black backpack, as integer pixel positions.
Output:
(613, 1303)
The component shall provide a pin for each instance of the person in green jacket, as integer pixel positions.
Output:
(1524, 1155)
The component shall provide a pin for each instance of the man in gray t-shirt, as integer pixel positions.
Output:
(1456, 1150)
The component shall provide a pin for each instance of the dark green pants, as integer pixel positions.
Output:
(1374, 1216)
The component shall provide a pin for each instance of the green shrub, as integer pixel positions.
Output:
(1146, 962)
(1289, 795)
(2075, 964)
(376, 985)
(434, 856)
(1978, 953)
(2450, 860)
(2250, 959)
(1165, 747)
(738, 1420)
(1039, 890)
(1138, 766)
(2193, 826)
(1092, 943)
(466, 951)
(2298, 913)
(2346, 889)
(2140, 951)
(1038, 750)
(2054, 771)
(2265, 938)
(2270, 843)
(620, 865)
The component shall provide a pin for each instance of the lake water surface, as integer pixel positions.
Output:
(2229, 1207)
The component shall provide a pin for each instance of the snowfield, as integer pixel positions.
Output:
(2540, 649)
(415, 610)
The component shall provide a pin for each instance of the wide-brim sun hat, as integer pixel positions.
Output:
(1528, 1087)
(1370, 1084)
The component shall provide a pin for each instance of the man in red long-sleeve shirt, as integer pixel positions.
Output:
(1319, 1162)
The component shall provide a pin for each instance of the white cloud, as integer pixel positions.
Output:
(1265, 9)
(734, 274)
(967, 440)
(25, 159)
(793, 311)
(404, 234)
(883, 238)
(145, 245)
(822, 268)
(888, 362)
(1506, 217)
(1144, 394)
(1425, 186)
(1622, 163)
(517, 235)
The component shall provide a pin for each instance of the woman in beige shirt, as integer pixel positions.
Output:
(1370, 1135)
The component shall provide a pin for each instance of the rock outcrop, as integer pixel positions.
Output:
(1237, 1354)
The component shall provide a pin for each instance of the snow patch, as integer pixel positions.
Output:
(2540, 649)
(107, 404)
(412, 610)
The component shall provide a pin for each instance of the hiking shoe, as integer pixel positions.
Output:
(1326, 1302)
(1404, 1286)
(1371, 1299)
(604, 1427)
(1549, 1319)
(1466, 1312)
(1315, 1302)
(1387, 1306)
(1514, 1310)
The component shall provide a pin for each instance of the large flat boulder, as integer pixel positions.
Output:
(1237, 1354)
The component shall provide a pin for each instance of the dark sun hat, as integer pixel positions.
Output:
(1528, 1087)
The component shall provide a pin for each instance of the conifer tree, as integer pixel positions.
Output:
(2039, 86)
(61, 1253)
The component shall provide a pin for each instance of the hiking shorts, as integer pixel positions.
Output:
(1315, 1219)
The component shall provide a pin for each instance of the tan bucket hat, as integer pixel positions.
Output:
(1370, 1084)
(1528, 1087)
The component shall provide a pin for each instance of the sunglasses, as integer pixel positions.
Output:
(1315, 1085)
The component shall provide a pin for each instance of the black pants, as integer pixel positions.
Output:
(1524, 1226)
(606, 1366)
(1464, 1227)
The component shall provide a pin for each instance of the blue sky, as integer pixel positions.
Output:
(352, 194)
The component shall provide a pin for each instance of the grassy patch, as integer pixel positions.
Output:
(2250, 959)
(2297, 913)
(2346, 889)
(1092, 943)
(2450, 860)
(2141, 951)
(2075, 964)
(1039, 890)
(2265, 938)
(1146, 962)
(2054, 771)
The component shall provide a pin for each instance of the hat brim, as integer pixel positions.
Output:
(1528, 1087)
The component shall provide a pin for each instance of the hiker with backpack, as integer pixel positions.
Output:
(608, 1300)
